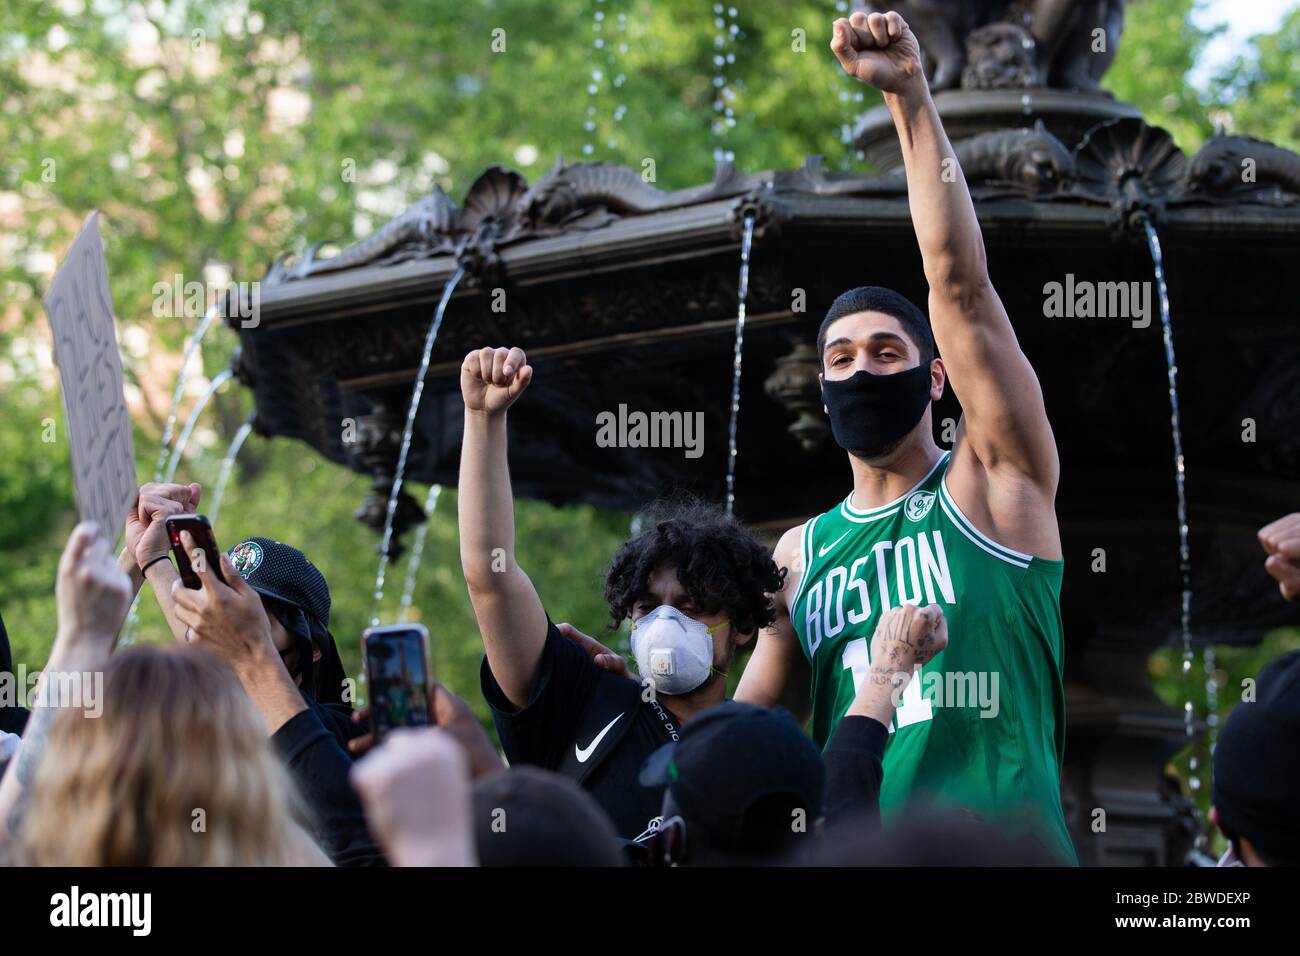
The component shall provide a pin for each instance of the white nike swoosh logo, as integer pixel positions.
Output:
(585, 753)
(822, 552)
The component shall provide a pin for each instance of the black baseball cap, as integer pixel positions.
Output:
(297, 594)
(738, 772)
(282, 572)
(1257, 764)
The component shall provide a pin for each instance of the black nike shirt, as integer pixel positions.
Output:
(589, 725)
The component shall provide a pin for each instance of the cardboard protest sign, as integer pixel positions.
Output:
(80, 310)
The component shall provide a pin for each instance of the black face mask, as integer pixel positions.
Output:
(870, 412)
(322, 679)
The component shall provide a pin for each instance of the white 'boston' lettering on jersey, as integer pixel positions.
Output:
(911, 570)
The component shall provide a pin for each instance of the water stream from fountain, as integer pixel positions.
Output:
(610, 49)
(593, 84)
(227, 466)
(737, 357)
(724, 92)
(417, 553)
(416, 393)
(1180, 478)
(191, 347)
(217, 381)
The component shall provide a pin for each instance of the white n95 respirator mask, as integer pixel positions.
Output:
(672, 650)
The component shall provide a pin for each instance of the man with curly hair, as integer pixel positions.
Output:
(695, 585)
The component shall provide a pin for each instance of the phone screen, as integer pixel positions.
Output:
(398, 673)
(201, 530)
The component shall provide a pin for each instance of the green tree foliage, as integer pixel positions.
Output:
(1263, 86)
(1159, 47)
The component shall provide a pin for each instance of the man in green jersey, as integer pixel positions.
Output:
(972, 530)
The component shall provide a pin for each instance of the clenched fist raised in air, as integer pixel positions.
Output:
(146, 531)
(491, 379)
(906, 637)
(880, 50)
(1281, 542)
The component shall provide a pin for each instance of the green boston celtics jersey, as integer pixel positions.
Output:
(982, 725)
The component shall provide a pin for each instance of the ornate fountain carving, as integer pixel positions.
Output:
(588, 195)
(1134, 168)
(1122, 162)
(1240, 167)
(1029, 159)
(1000, 44)
(423, 228)
(1001, 64)
(375, 442)
(1000, 56)
(757, 205)
(793, 386)
(500, 208)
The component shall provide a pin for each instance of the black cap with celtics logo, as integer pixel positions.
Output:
(295, 592)
(277, 570)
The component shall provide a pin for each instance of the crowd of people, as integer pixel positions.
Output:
(914, 629)
(219, 750)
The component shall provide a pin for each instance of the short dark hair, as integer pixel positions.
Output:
(720, 563)
(552, 822)
(876, 298)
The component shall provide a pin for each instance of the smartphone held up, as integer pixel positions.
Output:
(205, 548)
(397, 670)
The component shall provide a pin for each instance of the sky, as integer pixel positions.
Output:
(1244, 18)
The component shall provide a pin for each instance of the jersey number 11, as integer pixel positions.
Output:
(912, 709)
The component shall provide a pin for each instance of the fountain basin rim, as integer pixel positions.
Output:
(691, 233)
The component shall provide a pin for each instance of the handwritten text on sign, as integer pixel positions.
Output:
(80, 311)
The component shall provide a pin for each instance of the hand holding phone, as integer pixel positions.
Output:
(200, 530)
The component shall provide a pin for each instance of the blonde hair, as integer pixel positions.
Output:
(176, 771)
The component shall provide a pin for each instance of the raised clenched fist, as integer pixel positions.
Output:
(491, 379)
(146, 532)
(880, 50)
(907, 636)
(1281, 542)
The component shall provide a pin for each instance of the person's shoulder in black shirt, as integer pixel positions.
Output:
(591, 725)
(540, 732)
(320, 767)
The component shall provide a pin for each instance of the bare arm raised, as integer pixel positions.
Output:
(509, 612)
(93, 594)
(1005, 453)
